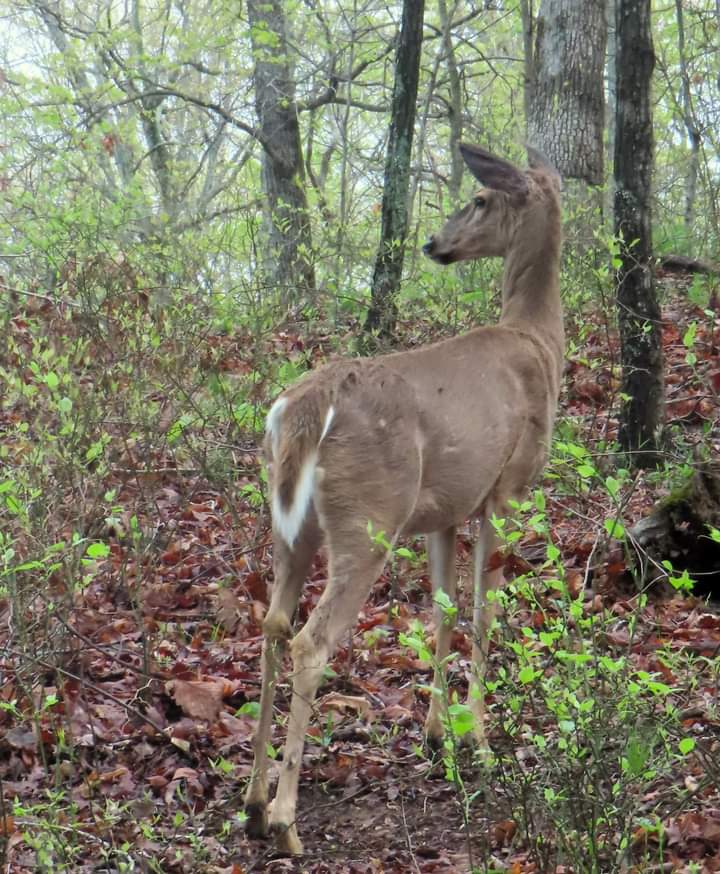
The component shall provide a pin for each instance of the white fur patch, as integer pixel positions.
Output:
(289, 522)
(272, 424)
(328, 422)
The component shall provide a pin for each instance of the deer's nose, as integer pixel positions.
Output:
(429, 246)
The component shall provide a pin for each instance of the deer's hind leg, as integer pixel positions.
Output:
(484, 609)
(441, 559)
(291, 565)
(354, 565)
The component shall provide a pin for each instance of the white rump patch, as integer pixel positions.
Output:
(328, 422)
(289, 522)
(272, 424)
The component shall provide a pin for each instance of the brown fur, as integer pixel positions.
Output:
(419, 441)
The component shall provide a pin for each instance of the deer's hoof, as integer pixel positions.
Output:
(257, 819)
(434, 740)
(286, 839)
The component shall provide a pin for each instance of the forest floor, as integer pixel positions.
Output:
(130, 748)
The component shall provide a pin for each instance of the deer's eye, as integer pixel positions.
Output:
(480, 202)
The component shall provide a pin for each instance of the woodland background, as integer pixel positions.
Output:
(196, 206)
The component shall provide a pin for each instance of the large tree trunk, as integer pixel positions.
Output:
(382, 314)
(638, 310)
(565, 100)
(289, 262)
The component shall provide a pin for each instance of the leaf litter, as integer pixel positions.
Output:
(154, 684)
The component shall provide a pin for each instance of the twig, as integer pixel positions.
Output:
(408, 841)
(127, 707)
(53, 300)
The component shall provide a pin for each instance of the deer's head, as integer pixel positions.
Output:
(485, 226)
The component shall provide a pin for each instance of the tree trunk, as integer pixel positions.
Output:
(455, 102)
(566, 104)
(691, 125)
(638, 311)
(528, 30)
(289, 265)
(382, 314)
(611, 111)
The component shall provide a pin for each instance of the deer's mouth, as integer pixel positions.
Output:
(430, 250)
(441, 257)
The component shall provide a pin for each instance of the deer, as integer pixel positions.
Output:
(408, 443)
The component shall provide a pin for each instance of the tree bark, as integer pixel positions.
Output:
(455, 103)
(528, 30)
(382, 314)
(638, 311)
(565, 100)
(691, 125)
(289, 265)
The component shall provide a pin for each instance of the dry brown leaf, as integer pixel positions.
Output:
(228, 609)
(199, 699)
(343, 704)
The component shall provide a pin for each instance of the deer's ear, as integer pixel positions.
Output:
(538, 161)
(493, 172)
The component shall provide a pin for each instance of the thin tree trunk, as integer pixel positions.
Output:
(611, 111)
(382, 314)
(289, 263)
(455, 103)
(638, 311)
(690, 125)
(528, 29)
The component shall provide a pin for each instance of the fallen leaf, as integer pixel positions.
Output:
(228, 609)
(200, 699)
(343, 704)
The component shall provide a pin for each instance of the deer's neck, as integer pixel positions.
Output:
(531, 287)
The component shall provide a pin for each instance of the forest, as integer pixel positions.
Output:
(202, 203)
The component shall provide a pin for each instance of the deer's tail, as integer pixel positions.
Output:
(293, 437)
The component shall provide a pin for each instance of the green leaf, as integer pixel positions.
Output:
(690, 335)
(51, 380)
(419, 646)
(28, 566)
(98, 550)
(442, 599)
(12, 503)
(249, 708)
(686, 745)
(404, 552)
(65, 405)
(461, 719)
(528, 675)
(637, 754)
(614, 528)
(612, 485)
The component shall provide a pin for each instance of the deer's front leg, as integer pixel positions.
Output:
(441, 559)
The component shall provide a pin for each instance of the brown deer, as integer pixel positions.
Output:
(408, 443)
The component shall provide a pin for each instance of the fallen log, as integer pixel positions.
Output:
(678, 531)
(682, 264)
